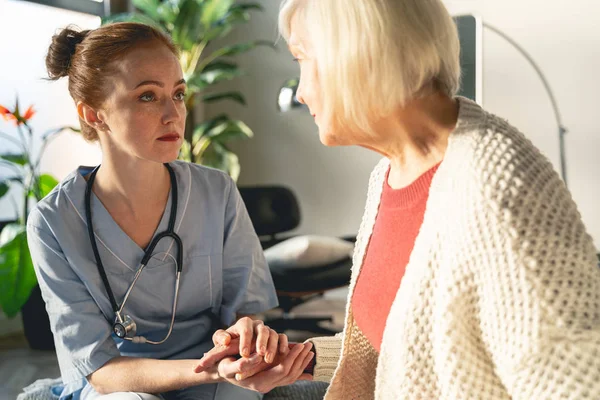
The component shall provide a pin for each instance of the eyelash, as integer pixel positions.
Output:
(152, 95)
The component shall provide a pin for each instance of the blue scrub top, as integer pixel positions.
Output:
(224, 273)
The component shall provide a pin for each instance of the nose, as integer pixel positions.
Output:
(300, 92)
(171, 111)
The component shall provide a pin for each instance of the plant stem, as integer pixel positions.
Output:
(25, 146)
(12, 139)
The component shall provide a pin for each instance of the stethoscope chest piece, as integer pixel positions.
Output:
(124, 327)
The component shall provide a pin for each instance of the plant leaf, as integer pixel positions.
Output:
(148, 7)
(213, 11)
(202, 129)
(185, 153)
(235, 96)
(213, 73)
(4, 187)
(46, 184)
(132, 17)
(17, 276)
(19, 159)
(51, 133)
(187, 28)
(168, 12)
(220, 157)
(247, 6)
(230, 129)
(232, 50)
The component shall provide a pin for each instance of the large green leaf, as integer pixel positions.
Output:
(148, 7)
(246, 6)
(220, 157)
(202, 129)
(228, 130)
(234, 96)
(213, 73)
(168, 11)
(214, 10)
(20, 159)
(46, 184)
(187, 28)
(238, 13)
(232, 50)
(132, 17)
(17, 276)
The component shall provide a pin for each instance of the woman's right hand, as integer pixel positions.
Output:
(242, 338)
(255, 374)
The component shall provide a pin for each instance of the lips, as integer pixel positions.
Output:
(169, 137)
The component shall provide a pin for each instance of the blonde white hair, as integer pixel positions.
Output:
(375, 55)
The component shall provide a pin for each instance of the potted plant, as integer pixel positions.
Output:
(18, 283)
(194, 25)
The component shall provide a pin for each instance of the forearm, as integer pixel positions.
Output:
(145, 375)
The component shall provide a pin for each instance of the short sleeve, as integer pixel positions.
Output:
(82, 335)
(247, 283)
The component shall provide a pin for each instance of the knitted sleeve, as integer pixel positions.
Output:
(327, 354)
(537, 279)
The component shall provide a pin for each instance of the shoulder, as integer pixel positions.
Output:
(516, 184)
(54, 205)
(205, 181)
(201, 173)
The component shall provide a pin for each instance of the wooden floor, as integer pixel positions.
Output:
(20, 366)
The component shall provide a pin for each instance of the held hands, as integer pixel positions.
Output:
(272, 363)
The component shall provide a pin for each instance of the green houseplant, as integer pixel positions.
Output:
(195, 25)
(21, 168)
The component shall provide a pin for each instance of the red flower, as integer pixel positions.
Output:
(29, 113)
(15, 116)
(4, 111)
(8, 115)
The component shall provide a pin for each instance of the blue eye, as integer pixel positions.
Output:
(147, 97)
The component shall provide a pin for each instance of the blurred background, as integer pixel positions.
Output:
(272, 147)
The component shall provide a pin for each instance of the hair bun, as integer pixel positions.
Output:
(61, 50)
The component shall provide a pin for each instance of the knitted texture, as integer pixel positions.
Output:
(501, 296)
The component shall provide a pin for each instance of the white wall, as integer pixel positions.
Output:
(331, 183)
(26, 29)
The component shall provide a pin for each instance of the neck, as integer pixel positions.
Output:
(420, 136)
(123, 183)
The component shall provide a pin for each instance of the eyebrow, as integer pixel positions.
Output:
(157, 83)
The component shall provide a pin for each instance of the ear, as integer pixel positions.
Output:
(90, 116)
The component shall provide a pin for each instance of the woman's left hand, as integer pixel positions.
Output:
(254, 374)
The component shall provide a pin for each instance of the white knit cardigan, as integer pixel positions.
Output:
(501, 295)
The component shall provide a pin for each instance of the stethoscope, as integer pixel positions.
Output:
(124, 326)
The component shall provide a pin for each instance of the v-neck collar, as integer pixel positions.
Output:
(111, 236)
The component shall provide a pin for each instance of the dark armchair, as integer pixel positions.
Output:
(273, 211)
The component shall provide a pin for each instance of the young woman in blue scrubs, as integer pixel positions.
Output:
(128, 87)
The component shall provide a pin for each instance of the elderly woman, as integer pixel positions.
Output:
(474, 277)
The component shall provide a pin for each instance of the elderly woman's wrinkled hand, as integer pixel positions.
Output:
(255, 374)
(245, 337)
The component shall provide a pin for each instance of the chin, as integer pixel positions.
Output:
(329, 139)
(166, 157)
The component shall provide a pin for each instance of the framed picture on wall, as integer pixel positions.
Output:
(100, 8)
